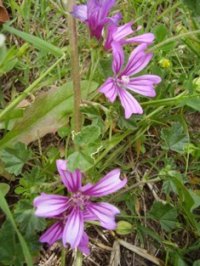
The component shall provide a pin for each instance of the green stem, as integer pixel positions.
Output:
(174, 39)
(78, 259)
(28, 90)
(75, 66)
(63, 257)
(169, 101)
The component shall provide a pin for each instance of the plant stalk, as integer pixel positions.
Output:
(75, 66)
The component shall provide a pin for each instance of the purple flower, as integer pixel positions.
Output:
(119, 34)
(95, 15)
(123, 80)
(71, 212)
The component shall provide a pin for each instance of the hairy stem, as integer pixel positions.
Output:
(75, 67)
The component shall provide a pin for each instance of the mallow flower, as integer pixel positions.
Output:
(125, 79)
(95, 14)
(120, 34)
(73, 211)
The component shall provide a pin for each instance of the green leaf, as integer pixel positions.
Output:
(30, 183)
(145, 231)
(10, 250)
(15, 158)
(165, 214)
(196, 263)
(174, 138)
(4, 188)
(47, 114)
(5, 173)
(88, 135)
(193, 103)
(28, 222)
(35, 41)
(80, 161)
(160, 32)
(185, 197)
(5, 208)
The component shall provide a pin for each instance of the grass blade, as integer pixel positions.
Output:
(35, 41)
(4, 206)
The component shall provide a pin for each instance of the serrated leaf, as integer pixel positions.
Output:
(165, 214)
(88, 135)
(15, 158)
(174, 138)
(30, 183)
(47, 114)
(28, 222)
(78, 160)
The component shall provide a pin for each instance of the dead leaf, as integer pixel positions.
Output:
(115, 255)
(141, 252)
(3, 13)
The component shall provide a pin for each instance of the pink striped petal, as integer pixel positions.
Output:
(118, 57)
(50, 205)
(147, 38)
(122, 32)
(105, 214)
(80, 12)
(84, 244)
(144, 85)
(109, 89)
(116, 18)
(129, 103)
(73, 230)
(107, 185)
(72, 180)
(138, 60)
(52, 234)
(111, 28)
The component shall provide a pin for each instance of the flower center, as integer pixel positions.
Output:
(79, 200)
(125, 80)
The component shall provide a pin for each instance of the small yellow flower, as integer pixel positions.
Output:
(165, 63)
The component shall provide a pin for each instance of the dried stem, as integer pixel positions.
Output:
(75, 67)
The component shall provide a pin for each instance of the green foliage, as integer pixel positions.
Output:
(4, 188)
(88, 141)
(175, 138)
(28, 223)
(193, 103)
(26, 252)
(14, 158)
(194, 5)
(30, 183)
(46, 115)
(158, 151)
(165, 214)
(37, 42)
(10, 250)
(88, 135)
(160, 32)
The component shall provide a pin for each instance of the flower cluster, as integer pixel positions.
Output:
(95, 14)
(71, 212)
(79, 207)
